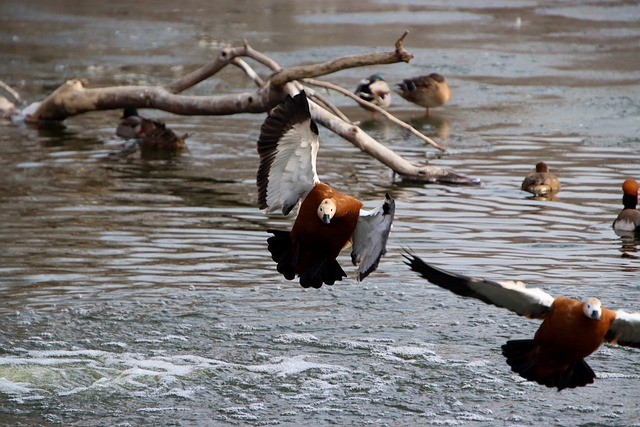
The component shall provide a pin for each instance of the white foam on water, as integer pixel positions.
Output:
(293, 365)
(169, 409)
(10, 387)
(299, 338)
(318, 385)
(34, 374)
(411, 351)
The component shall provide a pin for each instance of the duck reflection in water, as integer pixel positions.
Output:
(432, 125)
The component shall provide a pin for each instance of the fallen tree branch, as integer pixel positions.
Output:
(248, 70)
(74, 97)
(324, 103)
(315, 70)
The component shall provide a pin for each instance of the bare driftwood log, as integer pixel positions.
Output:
(74, 97)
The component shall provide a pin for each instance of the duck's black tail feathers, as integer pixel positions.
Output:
(326, 271)
(522, 357)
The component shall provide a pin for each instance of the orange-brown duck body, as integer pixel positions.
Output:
(628, 219)
(327, 220)
(565, 338)
(316, 239)
(571, 329)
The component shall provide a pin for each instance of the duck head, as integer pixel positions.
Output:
(592, 308)
(327, 210)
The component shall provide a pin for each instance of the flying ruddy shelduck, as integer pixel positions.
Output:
(570, 331)
(327, 220)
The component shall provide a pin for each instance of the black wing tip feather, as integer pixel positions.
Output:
(456, 283)
(279, 246)
(363, 275)
(389, 205)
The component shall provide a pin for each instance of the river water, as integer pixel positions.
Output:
(136, 291)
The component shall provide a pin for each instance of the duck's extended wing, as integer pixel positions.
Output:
(370, 236)
(532, 303)
(625, 329)
(288, 147)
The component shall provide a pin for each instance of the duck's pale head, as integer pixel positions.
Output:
(327, 210)
(592, 308)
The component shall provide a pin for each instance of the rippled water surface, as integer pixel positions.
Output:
(140, 292)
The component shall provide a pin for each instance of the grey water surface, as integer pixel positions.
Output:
(138, 291)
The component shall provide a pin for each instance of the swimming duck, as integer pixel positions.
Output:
(156, 136)
(427, 91)
(541, 181)
(375, 90)
(629, 218)
(152, 134)
(129, 126)
(571, 329)
(327, 219)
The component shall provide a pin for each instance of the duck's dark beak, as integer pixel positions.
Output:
(326, 219)
(595, 315)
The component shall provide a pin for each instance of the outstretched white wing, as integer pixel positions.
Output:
(370, 237)
(288, 147)
(625, 329)
(530, 302)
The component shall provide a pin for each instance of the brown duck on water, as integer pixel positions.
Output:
(152, 134)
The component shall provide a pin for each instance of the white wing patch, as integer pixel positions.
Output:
(515, 296)
(625, 329)
(293, 170)
(536, 294)
(370, 237)
(288, 148)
